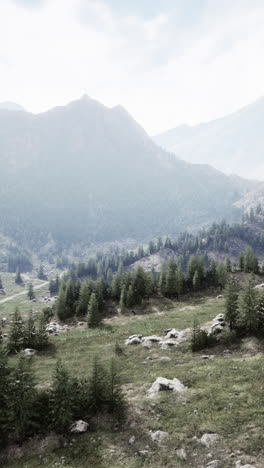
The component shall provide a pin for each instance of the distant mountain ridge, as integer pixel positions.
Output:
(85, 172)
(12, 106)
(233, 144)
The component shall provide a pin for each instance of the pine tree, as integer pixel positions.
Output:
(63, 399)
(123, 299)
(221, 274)
(16, 335)
(93, 315)
(115, 398)
(85, 294)
(228, 265)
(97, 388)
(41, 274)
(231, 303)
(260, 313)
(130, 299)
(18, 278)
(61, 305)
(163, 283)
(196, 281)
(42, 339)
(248, 309)
(5, 392)
(29, 334)
(31, 294)
(1, 283)
(241, 262)
(23, 400)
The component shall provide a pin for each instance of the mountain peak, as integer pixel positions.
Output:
(11, 106)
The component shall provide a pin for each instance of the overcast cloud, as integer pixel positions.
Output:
(167, 61)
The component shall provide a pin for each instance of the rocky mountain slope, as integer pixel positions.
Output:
(232, 144)
(88, 172)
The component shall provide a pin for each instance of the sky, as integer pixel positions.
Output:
(168, 62)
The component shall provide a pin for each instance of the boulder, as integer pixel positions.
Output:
(54, 327)
(220, 296)
(166, 344)
(151, 339)
(171, 333)
(79, 427)
(181, 454)
(208, 440)
(162, 384)
(28, 352)
(259, 286)
(134, 340)
(158, 436)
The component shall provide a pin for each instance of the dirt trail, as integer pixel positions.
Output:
(23, 293)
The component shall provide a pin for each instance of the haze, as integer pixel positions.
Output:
(168, 62)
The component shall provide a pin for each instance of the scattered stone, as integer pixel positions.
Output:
(171, 333)
(80, 324)
(207, 357)
(220, 296)
(163, 384)
(158, 436)
(208, 440)
(143, 453)
(164, 358)
(132, 440)
(28, 352)
(79, 427)
(181, 454)
(54, 327)
(214, 464)
(239, 465)
(259, 286)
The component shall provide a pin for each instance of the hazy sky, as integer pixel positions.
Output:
(167, 61)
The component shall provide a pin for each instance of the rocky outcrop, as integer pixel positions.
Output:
(158, 436)
(162, 384)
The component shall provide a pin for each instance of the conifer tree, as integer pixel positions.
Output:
(130, 300)
(1, 283)
(241, 262)
(18, 278)
(41, 274)
(31, 294)
(248, 309)
(85, 294)
(221, 274)
(123, 300)
(93, 315)
(63, 399)
(115, 398)
(23, 399)
(29, 332)
(163, 283)
(42, 340)
(228, 265)
(260, 313)
(231, 304)
(5, 392)
(97, 389)
(61, 305)
(196, 281)
(16, 335)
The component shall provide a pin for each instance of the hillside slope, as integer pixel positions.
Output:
(232, 144)
(88, 172)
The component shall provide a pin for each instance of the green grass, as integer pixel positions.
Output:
(225, 395)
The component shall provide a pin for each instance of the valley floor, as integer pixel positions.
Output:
(225, 396)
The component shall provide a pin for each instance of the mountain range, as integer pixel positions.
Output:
(233, 144)
(85, 172)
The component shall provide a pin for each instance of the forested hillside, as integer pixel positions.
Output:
(86, 172)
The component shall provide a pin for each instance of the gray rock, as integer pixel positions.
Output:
(28, 352)
(208, 440)
(181, 454)
(240, 465)
(134, 340)
(158, 436)
(79, 427)
(143, 453)
(214, 464)
(166, 344)
(163, 384)
(132, 440)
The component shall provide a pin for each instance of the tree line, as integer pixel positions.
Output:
(26, 410)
